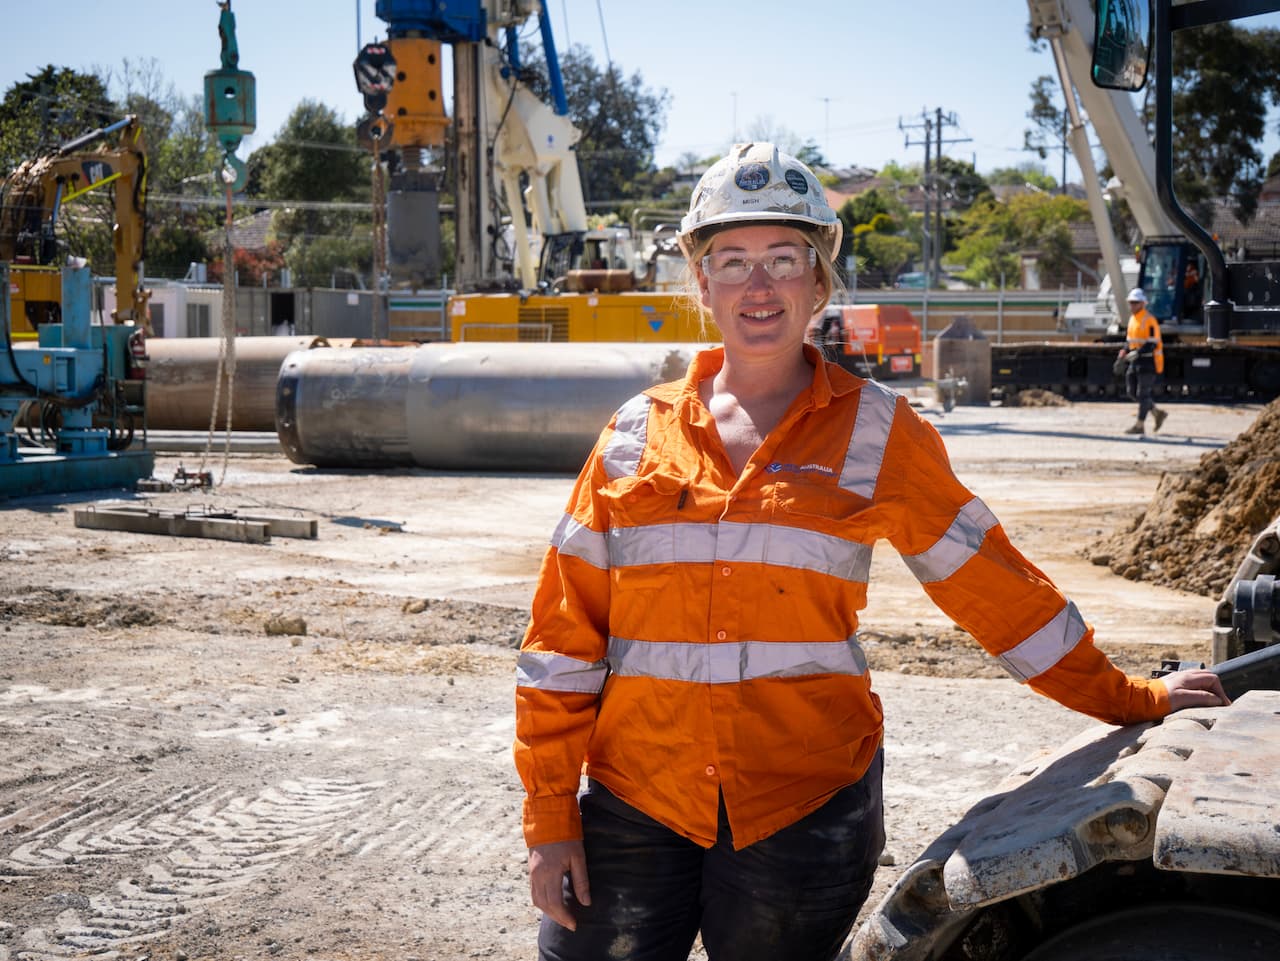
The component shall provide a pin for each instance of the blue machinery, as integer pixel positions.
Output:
(71, 394)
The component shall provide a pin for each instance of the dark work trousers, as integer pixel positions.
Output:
(1139, 384)
(790, 897)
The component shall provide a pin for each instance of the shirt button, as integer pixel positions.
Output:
(721, 635)
(726, 570)
(711, 770)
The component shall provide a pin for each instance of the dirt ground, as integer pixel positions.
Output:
(185, 774)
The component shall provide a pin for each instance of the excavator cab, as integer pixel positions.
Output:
(1172, 273)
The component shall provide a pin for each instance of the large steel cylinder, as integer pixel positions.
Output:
(468, 406)
(182, 372)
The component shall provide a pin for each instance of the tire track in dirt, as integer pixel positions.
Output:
(195, 847)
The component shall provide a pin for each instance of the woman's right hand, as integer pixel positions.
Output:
(548, 864)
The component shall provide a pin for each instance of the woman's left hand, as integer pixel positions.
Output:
(1195, 689)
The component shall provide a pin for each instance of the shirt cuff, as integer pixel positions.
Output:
(550, 819)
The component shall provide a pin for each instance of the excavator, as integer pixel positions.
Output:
(32, 199)
(74, 388)
(1151, 842)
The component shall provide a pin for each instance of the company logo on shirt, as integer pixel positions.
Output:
(779, 468)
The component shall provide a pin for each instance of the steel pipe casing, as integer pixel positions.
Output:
(182, 373)
(479, 406)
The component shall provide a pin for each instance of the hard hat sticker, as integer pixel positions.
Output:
(796, 181)
(751, 176)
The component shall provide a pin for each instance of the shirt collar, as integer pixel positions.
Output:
(829, 380)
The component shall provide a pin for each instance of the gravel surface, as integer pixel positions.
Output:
(301, 749)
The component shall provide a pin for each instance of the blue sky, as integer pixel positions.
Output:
(842, 73)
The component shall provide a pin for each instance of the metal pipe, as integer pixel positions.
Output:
(182, 371)
(466, 406)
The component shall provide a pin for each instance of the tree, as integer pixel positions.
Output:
(874, 221)
(49, 108)
(991, 235)
(314, 157)
(1049, 130)
(619, 117)
(1224, 79)
(1026, 174)
(961, 183)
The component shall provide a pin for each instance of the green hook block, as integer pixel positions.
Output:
(230, 101)
(230, 105)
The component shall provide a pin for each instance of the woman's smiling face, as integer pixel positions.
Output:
(761, 316)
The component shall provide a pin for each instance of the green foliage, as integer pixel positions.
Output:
(1224, 79)
(1049, 122)
(991, 235)
(619, 117)
(314, 261)
(873, 221)
(314, 157)
(863, 208)
(49, 108)
(889, 252)
(961, 183)
(906, 176)
(174, 245)
(810, 154)
(1024, 174)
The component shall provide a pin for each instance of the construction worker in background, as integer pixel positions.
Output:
(693, 636)
(1144, 357)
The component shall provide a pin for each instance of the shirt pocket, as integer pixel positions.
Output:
(644, 539)
(821, 528)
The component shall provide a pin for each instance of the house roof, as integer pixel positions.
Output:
(247, 233)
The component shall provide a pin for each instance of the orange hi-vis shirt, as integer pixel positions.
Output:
(1144, 328)
(695, 632)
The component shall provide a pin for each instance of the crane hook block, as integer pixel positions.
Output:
(230, 98)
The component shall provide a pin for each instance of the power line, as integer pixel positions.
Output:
(932, 234)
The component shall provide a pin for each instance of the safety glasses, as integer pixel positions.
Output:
(781, 263)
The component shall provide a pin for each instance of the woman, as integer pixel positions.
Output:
(693, 636)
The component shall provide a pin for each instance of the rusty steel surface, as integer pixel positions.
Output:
(1199, 792)
(182, 374)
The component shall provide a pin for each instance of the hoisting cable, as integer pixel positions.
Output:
(379, 191)
(226, 348)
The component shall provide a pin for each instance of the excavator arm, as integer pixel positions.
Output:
(33, 197)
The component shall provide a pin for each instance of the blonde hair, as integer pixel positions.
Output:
(700, 243)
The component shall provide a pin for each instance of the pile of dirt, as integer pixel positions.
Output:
(1202, 521)
(1035, 397)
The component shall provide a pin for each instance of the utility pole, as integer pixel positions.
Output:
(950, 121)
(933, 236)
(926, 233)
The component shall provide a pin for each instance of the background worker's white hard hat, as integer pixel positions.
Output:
(757, 182)
(1137, 296)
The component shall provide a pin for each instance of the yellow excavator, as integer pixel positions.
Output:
(31, 202)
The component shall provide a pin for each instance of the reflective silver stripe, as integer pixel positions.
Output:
(556, 672)
(733, 662)
(1046, 647)
(630, 431)
(577, 540)
(732, 542)
(961, 541)
(865, 454)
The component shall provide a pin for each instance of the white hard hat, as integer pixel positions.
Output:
(1137, 296)
(758, 182)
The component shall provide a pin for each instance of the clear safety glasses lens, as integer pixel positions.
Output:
(780, 263)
